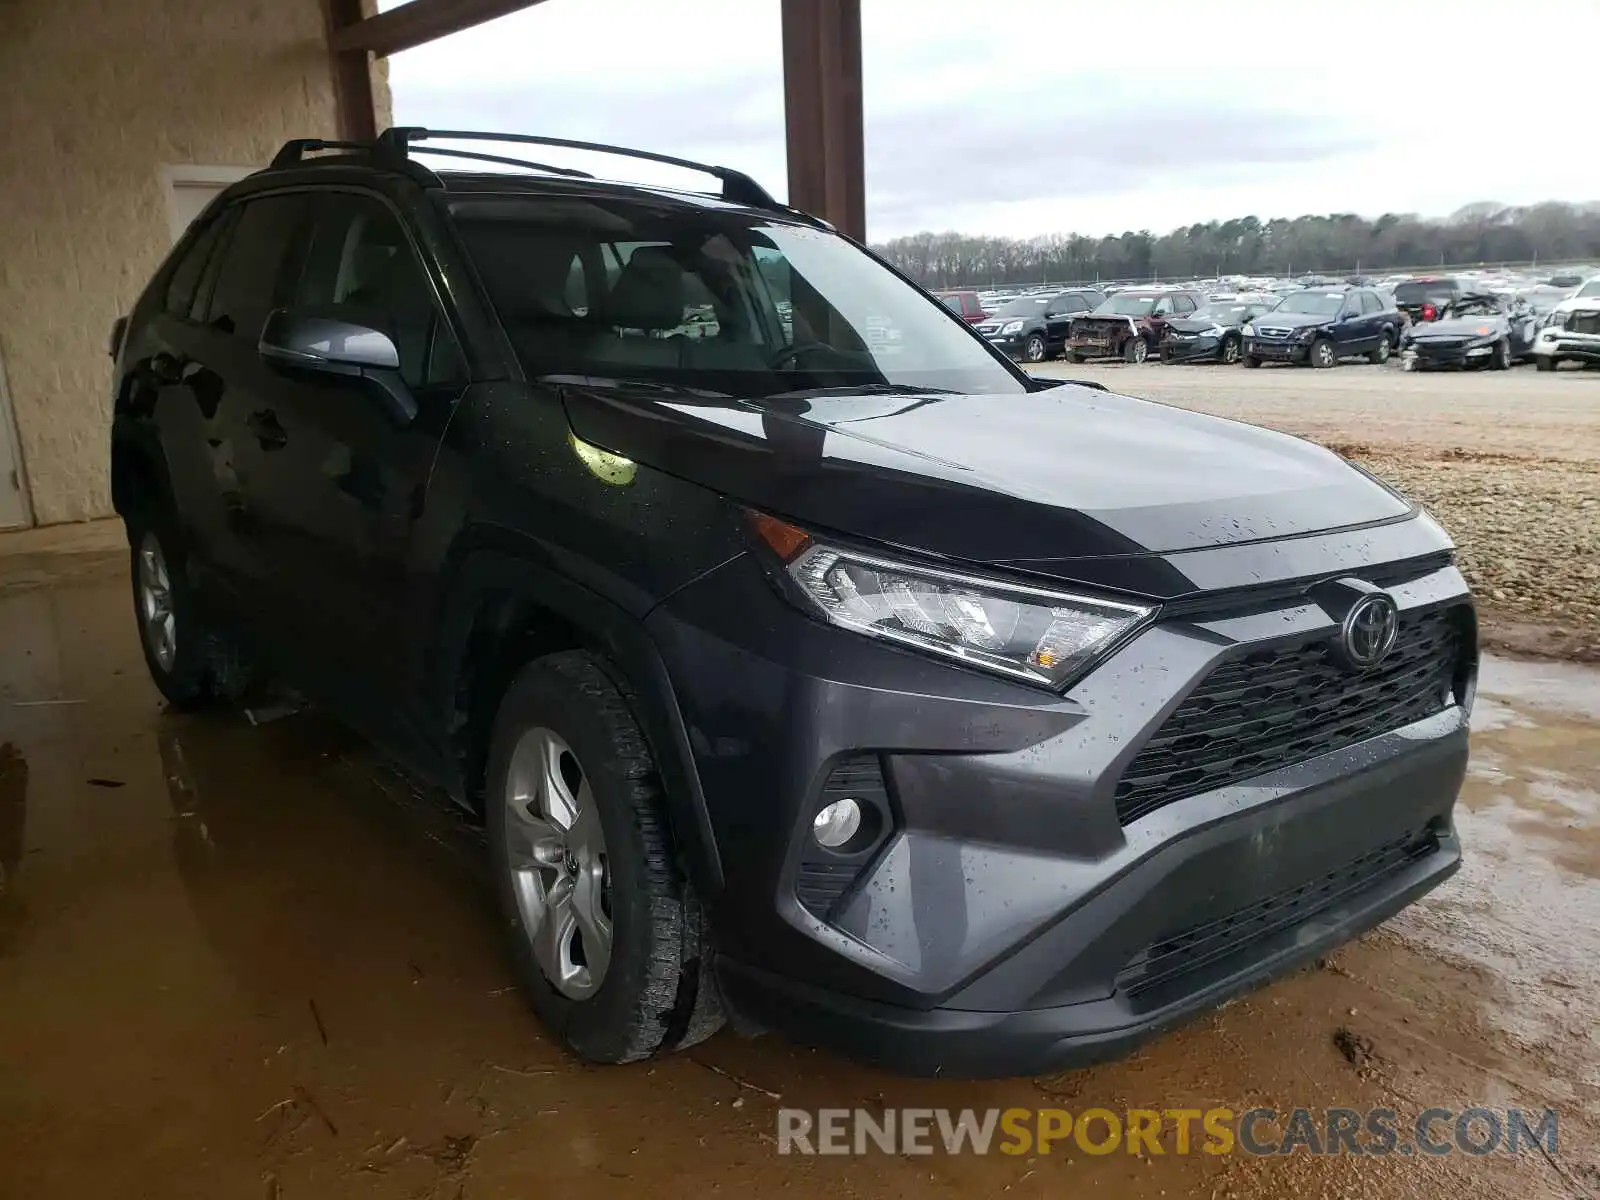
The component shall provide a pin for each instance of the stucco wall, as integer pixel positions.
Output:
(97, 96)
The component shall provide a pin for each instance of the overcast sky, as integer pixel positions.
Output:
(1051, 117)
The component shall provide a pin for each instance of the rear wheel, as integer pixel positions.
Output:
(1137, 350)
(606, 935)
(192, 663)
(1380, 355)
(1033, 350)
(1501, 359)
(1322, 353)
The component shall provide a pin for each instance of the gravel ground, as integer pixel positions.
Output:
(1510, 463)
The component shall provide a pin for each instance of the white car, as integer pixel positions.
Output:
(1572, 331)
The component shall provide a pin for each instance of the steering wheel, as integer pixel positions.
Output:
(793, 353)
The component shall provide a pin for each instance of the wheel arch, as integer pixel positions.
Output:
(501, 611)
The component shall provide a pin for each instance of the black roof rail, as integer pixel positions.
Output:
(293, 154)
(295, 149)
(475, 156)
(737, 187)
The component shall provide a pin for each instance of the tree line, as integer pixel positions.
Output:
(1339, 243)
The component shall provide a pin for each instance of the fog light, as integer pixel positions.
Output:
(837, 823)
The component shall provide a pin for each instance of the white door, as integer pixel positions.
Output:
(190, 188)
(13, 500)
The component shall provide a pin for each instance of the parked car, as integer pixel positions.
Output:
(1421, 299)
(1566, 280)
(1213, 333)
(1572, 332)
(825, 680)
(1034, 327)
(1130, 324)
(1476, 330)
(1321, 326)
(965, 305)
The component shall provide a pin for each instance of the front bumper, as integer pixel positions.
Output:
(1577, 347)
(1008, 922)
(1423, 357)
(1274, 350)
(1196, 349)
(1006, 343)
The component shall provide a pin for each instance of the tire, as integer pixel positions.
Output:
(1167, 357)
(1033, 350)
(1545, 362)
(193, 664)
(1380, 355)
(1074, 356)
(1322, 354)
(1230, 352)
(1136, 351)
(1251, 361)
(653, 991)
(1501, 359)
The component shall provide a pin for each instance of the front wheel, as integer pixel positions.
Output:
(1136, 351)
(1545, 362)
(1322, 354)
(606, 935)
(1230, 350)
(1501, 360)
(1074, 356)
(1250, 360)
(1033, 350)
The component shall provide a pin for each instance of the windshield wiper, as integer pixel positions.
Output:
(642, 385)
(861, 389)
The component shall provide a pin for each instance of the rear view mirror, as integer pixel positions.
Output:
(301, 342)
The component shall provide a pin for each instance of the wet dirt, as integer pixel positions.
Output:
(254, 961)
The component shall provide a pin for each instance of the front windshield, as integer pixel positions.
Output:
(721, 301)
(1022, 306)
(1592, 288)
(1225, 314)
(1128, 306)
(1317, 304)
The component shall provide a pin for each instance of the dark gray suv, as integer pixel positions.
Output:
(805, 660)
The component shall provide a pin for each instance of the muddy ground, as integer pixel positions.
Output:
(254, 962)
(1508, 461)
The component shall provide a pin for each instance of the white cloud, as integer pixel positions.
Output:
(1058, 117)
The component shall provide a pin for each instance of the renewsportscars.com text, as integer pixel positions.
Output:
(1376, 1132)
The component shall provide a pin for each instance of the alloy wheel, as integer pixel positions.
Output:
(1138, 350)
(1230, 351)
(556, 853)
(1325, 355)
(158, 624)
(1034, 350)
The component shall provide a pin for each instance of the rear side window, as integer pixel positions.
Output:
(360, 266)
(1416, 292)
(184, 282)
(1183, 304)
(256, 264)
(1370, 303)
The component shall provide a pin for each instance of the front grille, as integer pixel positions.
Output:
(1272, 332)
(1584, 322)
(1272, 708)
(1200, 945)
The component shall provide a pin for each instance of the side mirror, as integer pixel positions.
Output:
(299, 342)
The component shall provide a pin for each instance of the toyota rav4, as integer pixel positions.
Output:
(806, 661)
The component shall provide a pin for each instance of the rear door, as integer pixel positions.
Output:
(336, 501)
(1058, 316)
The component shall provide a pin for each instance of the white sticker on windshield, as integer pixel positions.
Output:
(1336, 295)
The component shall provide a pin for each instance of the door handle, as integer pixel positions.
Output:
(268, 432)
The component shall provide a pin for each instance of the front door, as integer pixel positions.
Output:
(340, 483)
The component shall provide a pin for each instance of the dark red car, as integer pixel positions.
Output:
(1130, 324)
(964, 304)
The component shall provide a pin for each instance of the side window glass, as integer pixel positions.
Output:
(1163, 307)
(1182, 304)
(1370, 303)
(183, 284)
(361, 267)
(253, 269)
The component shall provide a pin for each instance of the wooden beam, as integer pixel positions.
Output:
(822, 111)
(418, 22)
(352, 75)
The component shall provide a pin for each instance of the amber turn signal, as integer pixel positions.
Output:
(784, 539)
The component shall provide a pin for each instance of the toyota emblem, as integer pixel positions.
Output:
(1369, 630)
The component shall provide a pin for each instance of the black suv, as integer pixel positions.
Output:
(805, 660)
(1319, 326)
(1034, 327)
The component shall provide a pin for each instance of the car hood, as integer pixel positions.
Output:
(1191, 325)
(1457, 327)
(1289, 320)
(1035, 480)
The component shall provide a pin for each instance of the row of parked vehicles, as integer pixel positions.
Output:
(1429, 323)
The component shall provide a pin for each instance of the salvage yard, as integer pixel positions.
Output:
(1508, 462)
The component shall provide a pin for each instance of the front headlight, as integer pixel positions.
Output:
(1042, 636)
(1306, 335)
(1011, 327)
(1249, 331)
